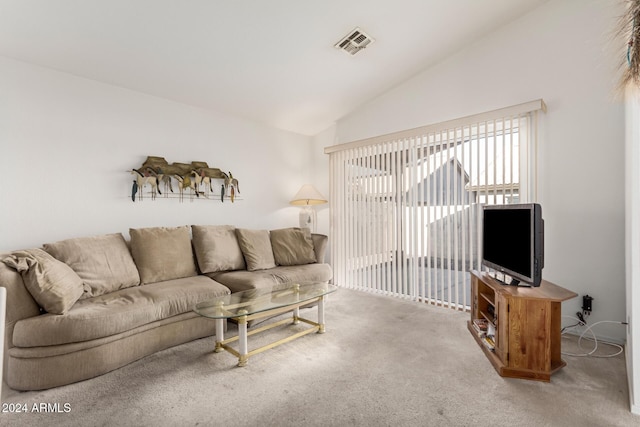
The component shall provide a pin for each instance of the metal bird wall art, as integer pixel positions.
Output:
(231, 185)
(195, 178)
(142, 179)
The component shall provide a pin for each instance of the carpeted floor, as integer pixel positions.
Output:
(382, 362)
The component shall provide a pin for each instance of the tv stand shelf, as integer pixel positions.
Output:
(526, 322)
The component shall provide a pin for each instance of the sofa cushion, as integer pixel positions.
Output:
(241, 280)
(53, 284)
(292, 246)
(22, 302)
(162, 253)
(256, 249)
(217, 248)
(104, 263)
(320, 242)
(117, 312)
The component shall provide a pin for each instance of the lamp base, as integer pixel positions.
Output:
(308, 218)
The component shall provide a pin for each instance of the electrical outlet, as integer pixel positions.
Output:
(587, 304)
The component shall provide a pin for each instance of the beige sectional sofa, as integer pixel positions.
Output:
(82, 307)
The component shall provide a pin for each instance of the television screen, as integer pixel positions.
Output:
(512, 241)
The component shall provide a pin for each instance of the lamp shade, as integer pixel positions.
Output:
(307, 196)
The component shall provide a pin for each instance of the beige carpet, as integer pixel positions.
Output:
(382, 362)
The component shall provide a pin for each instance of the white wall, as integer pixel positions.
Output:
(632, 124)
(560, 52)
(321, 174)
(67, 142)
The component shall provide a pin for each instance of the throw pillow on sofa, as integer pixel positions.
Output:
(51, 283)
(292, 246)
(104, 262)
(256, 248)
(162, 253)
(217, 248)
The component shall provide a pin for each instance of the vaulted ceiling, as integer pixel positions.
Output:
(272, 61)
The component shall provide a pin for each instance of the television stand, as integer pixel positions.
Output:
(526, 326)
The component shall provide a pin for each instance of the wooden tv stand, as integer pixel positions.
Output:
(527, 326)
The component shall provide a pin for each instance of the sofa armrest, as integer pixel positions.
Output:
(20, 303)
(3, 307)
(320, 242)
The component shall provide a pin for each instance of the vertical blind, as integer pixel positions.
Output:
(406, 207)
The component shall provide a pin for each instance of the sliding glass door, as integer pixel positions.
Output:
(405, 209)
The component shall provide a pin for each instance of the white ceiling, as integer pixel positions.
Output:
(271, 61)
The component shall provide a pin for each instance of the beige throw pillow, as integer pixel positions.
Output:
(162, 253)
(217, 248)
(104, 263)
(51, 283)
(292, 246)
(256, 248)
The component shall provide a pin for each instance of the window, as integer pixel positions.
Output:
(405, 207)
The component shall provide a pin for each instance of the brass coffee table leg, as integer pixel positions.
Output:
(296, 316)
(296, 311)
(219, 327)
(219, 335)
(321, 315)
(242, 339)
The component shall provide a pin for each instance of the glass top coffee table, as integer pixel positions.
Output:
(260, 303)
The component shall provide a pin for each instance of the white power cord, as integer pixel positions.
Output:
(594, 339)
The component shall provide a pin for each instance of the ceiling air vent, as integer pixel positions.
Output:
(354, 42)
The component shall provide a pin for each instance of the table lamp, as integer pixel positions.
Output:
(307, 197)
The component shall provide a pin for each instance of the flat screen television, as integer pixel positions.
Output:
(513, 242)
